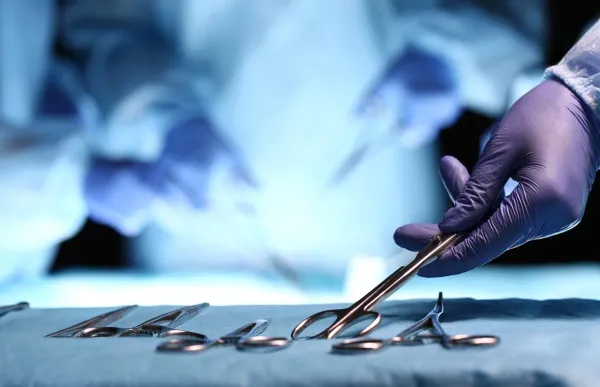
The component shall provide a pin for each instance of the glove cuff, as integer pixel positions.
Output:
(592, 120)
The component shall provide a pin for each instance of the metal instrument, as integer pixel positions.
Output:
(13, 308)
(412, 336)
(244, 338)
(161, 326)
(362, 150)
(98, 321)
(374, 136)
(364, 308)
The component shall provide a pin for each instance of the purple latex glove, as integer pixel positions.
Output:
(549, 142)
(119, 194)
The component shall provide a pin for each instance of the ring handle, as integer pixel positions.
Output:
(183, 334)
(359, 345)
(94, 332)
(313, 319)
(374, 324)
(337, 327)
(263, 342)
(184, 345)
(472, 341)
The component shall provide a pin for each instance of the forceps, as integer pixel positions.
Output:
(13, 308)
(153, 327)
(412, 336)
(363, 308)
(246, 337)
(98, 321)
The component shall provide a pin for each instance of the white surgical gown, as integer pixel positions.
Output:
(42, 147)
(281, 81)
(580, 68)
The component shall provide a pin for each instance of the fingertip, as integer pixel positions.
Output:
(450, 164)
(454, 175)
(448, 160)
(483, 187)
(414, 237)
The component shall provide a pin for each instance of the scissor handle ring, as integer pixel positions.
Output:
(472, 340)
(314, 318)
(183, 345)
(374, 324)
(147, 330)
(413, 340)
(359, 345)
(263, 342)
(94, 332)
(334, 329)
(184, 334)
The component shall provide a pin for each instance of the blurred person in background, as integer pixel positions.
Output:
(44, 119)
(255, 135)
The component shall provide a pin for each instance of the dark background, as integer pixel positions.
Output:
(97, 246)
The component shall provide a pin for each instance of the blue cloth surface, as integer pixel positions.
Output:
(544, 343)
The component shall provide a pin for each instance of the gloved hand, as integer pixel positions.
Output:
(549, 142)
(120, 193)
(417, 94)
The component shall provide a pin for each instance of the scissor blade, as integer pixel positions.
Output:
(350, 163)
(13, 308)
(177, 317)
(98, 321)
(254, 328)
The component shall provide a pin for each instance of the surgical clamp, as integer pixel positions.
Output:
(412, 336)
(363, 308)
(153, 327)
(244, 338)
(98, 321)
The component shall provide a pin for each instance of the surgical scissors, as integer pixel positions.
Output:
(244, 338)
(13, 308)
(412, 336)
(153, 327)
(363, 308)
(98, 321)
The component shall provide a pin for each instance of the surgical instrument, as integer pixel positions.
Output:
(372, 137)
(98, 321)
(13, 308)
(160, 326)
(364, 149)
(364, 308)
(412, 336)
(244, 338)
